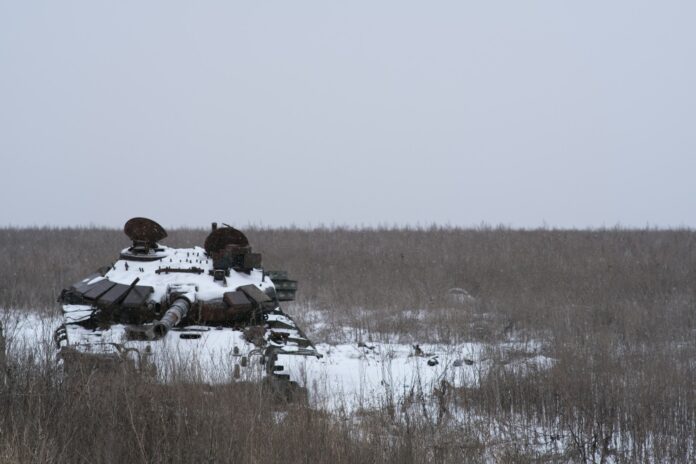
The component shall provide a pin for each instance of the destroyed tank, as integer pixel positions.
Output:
(208, 314)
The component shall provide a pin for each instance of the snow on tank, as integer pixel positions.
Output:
(208, 314)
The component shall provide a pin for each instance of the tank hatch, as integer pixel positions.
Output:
(145, 233)
(229, 248)
(222, 237)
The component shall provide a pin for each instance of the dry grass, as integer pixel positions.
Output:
(615, 308)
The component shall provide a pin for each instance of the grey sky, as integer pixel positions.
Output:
(355, 112)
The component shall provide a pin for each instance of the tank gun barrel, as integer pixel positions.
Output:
(176, 312)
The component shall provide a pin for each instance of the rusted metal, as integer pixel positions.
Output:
(261, 299)
(221, 237)
(144, 230)
(251, 261)
(237, 300)
(235, 257)
(222, 313)
(255, 294)
(211, 312)
(229, 248)
(191, 270)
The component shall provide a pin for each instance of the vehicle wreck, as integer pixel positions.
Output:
(214, 310)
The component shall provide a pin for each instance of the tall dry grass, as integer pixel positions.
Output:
(615, 308)
(122, 416)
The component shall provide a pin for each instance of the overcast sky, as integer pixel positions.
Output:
(523, 113)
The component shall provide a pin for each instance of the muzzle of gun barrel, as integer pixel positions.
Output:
(176, 312)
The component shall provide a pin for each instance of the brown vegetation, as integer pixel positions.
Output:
(615, 308)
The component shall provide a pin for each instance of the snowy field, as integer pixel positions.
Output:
(492, 345)
(353, 378)
(349, 375)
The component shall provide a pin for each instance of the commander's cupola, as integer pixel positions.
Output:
(145, 233)
(229, 249)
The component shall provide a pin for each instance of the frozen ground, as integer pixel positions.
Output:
(353, 378)
(349, 375)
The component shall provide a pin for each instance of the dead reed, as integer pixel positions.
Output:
(615, 308)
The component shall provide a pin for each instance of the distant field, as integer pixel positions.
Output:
(615, 309)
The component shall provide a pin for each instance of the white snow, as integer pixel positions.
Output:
(183, 258)
(348, 376)
(345, 378)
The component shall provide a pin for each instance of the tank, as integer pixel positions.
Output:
(210, 313)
